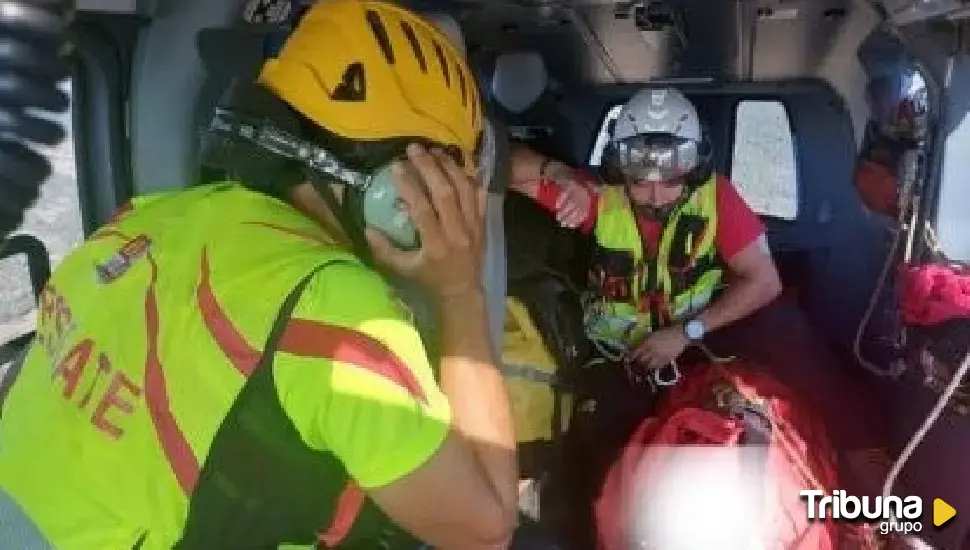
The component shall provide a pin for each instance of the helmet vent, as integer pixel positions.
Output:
(440, 54)
(464, 89)
(415, 46)
(353, 85)
(380, 33)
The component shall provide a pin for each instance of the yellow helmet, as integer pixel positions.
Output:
(369, 70)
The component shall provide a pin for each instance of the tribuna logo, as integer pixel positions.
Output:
(839, 505)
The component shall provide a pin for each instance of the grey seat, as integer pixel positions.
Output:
(519, 80)
(527, 97)
(495, 254)
(17, 530)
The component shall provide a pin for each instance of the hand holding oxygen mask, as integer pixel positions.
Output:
(447, 207)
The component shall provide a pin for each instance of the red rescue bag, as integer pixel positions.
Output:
(736, 410)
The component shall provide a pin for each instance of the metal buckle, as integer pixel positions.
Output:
(667, 376)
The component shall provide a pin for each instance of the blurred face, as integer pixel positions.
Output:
(653, 167)
(655, 194)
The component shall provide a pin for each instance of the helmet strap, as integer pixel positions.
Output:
(348, 213)
(352, 219)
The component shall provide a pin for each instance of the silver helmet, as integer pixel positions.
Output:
(656, 137)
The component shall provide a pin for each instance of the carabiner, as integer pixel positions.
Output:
(670, 379)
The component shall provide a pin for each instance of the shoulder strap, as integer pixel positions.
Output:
(426, 325)
(286, 311)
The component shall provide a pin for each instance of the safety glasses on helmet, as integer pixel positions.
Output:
(382, 207)
(654, 158)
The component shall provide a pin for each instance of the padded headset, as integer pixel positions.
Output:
(373, 200)
(380, 203)
(374, 196)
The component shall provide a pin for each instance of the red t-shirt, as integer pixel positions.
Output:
(737, 225)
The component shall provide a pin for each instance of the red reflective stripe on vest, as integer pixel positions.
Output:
(242, 356)
(337, 343)
(307, 338)
(349, 504)
(174, 444)
(170, 437)
(245, 359)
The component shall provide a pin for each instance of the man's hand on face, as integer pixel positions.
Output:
(448, 209)
(660, 348)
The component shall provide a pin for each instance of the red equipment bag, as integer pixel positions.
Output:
(933, 294)
(743, 413)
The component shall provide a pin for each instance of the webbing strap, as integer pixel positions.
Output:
(526, 372)
(286, 311)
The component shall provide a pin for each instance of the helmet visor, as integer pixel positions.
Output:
(652, 157)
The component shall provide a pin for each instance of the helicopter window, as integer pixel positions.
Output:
(763, 161)
(55, 220)
(596, 155)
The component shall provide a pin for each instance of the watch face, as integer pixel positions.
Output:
(694, 329)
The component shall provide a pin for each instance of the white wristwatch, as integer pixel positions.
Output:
(694, 330)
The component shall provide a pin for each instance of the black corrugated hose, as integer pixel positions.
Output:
(33, 51)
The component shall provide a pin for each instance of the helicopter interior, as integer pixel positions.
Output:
(782, 88)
